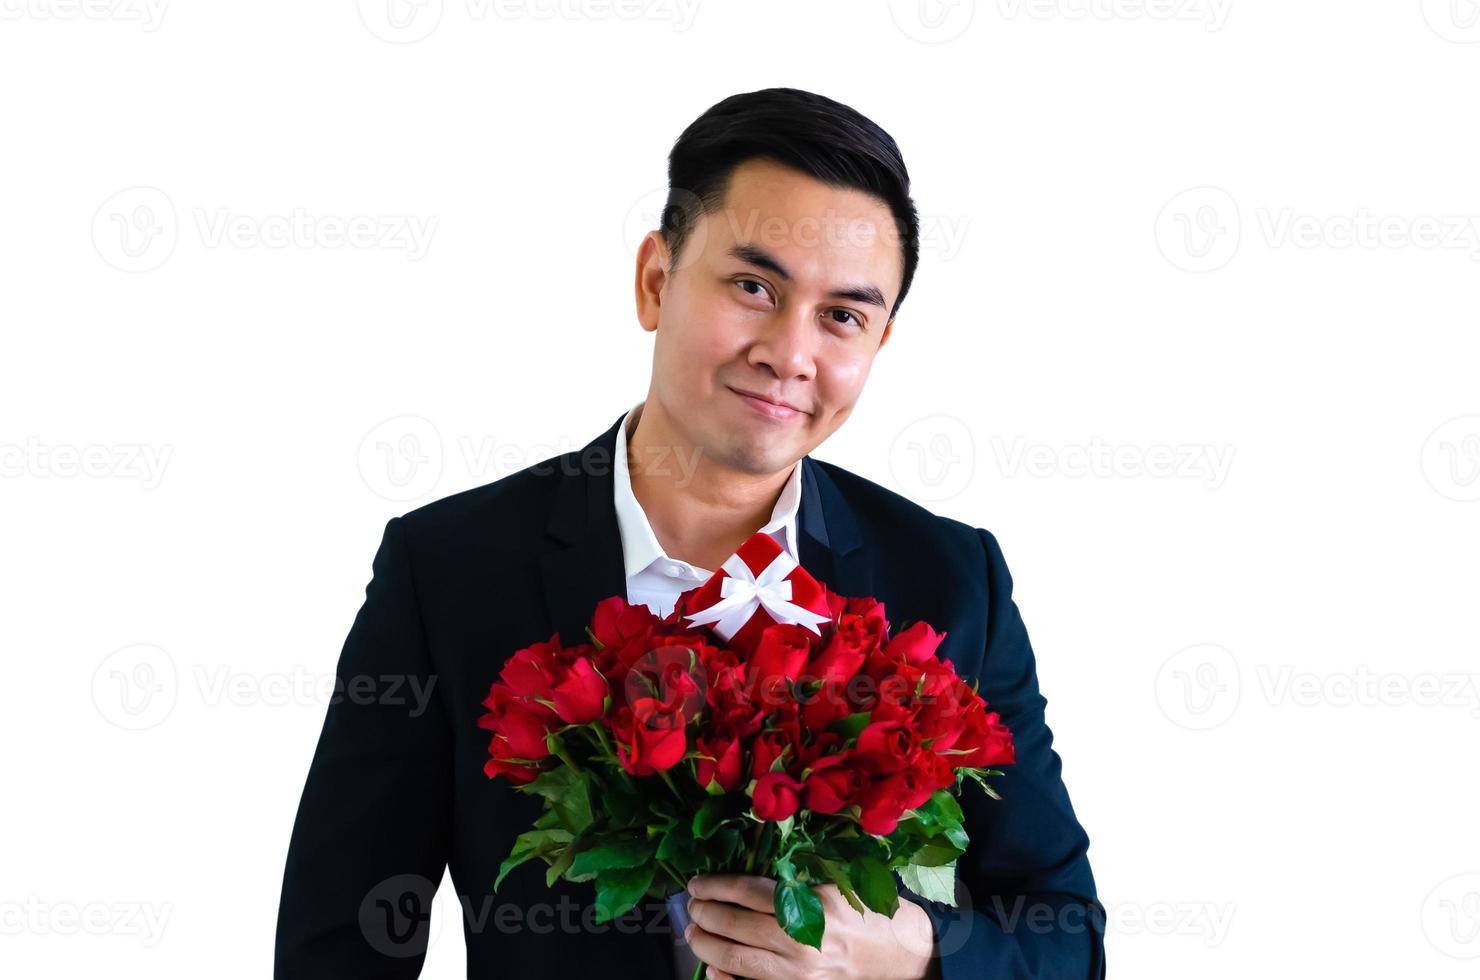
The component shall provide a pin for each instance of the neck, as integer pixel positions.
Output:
(700, 510)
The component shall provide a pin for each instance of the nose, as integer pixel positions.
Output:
(788, 346)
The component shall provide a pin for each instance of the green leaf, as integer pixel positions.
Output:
(799, 912)
(531, 844)
(561, 865)
(935, 853)
(937, 884)
(715, 811)
(565, 791)
(875, 885)
(618, 889)
(850, 725)
(617, 854)
(838, 875)
(678, 845)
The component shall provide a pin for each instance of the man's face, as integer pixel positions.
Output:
(785, 294)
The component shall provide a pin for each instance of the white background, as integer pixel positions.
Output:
(1233, 236)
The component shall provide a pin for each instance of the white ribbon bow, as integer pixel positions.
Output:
(744, 591)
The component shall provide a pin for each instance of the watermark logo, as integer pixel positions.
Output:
(135, 230)
(1199, 229)
(933, 458)
(1199, 686)
(401, 458)
(400, 21)
(136, 687)
(397, 916)
(932, 21)
(1453, 20)
(1451, 917)
(1451, 459)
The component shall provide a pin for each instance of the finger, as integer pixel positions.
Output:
(751, 891)
(734, 958)
(743, 925)
(715, 973)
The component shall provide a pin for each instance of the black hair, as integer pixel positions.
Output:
(811, 133)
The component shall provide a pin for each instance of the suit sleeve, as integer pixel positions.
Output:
(1026, 895)
(371, 838)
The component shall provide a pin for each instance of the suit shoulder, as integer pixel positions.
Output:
(884, 507)
(517, 502)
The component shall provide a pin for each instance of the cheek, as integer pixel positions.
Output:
(841, 378)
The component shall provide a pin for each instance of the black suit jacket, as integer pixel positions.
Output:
(396, 791)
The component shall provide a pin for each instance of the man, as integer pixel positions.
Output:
(789, 242)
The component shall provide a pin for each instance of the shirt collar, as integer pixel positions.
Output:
(640, 547)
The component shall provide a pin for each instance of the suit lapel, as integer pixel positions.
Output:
(585, 564)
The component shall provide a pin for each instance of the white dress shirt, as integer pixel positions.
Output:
(654, 579)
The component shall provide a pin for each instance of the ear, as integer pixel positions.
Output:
(652, 276)
(888, 329)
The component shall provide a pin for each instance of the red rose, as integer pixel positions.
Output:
(936, 769)
(880, 807)
(833, 784)
(776, 796)
(989, 741)
(502, 761)
(781, 654)
(766, 749)
(846, 650)
(827, 704)
(581, 697)
(526, 730)
(942, 718)
(718, 762)
(887, 746)
(650, 736)
(915, 645)
(530, 672)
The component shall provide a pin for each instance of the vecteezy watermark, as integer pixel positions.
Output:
(1207, 921)
(1451, 458)
(409, 21)
(36, 916)
(148, 14)
(940, 235)
(137, 229)
(1451, 916)
(933, 458)
(222, 684)
(1098, 458)
(1201, 229)
(122, 461)
(1453, 20)
(138, 687)
(402, 458)
(1201, 687)
(1282, 684)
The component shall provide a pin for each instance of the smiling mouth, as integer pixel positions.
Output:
(768, 409)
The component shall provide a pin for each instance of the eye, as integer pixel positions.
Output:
(846, 313)
(760, 286)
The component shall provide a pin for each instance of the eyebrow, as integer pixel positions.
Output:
(757, 256)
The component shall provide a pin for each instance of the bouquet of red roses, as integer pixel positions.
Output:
(766, 726)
